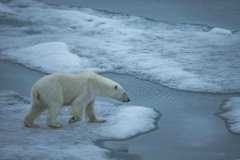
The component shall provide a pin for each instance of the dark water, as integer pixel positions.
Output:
(217, 13)
(188, 128)
(16, 78)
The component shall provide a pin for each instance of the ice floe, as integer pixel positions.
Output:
(74, 141)
(129, 122)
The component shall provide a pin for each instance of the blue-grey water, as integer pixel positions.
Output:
(219, 13)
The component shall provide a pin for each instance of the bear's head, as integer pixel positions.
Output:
(119, 93)
(109, 88)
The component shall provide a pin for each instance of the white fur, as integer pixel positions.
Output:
(54, 91)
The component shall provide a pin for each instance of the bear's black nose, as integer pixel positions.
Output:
(125, 98)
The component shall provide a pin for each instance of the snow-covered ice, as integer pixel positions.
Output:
(231, 114)
(197, 58)
(50, 57)
(128, 121)
(74, 141)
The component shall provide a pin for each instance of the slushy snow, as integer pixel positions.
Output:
(74, 141)
(50, 57)
(196, 58)
(231, 114)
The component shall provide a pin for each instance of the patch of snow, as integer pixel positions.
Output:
(221, 31)
(50, 57)
(129, 121)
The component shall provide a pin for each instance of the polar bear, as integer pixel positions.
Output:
(79, 91)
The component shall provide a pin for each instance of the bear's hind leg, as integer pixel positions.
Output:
(91, 114)
(53, 112)
(35, 112)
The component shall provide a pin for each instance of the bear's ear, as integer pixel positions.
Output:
(115, 87)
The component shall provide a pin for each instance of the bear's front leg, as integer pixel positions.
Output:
(91, 114)
(76, 111)
(53, 112)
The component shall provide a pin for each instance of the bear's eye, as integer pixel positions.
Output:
(116, 87)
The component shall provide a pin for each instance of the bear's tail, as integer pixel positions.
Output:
(36, 95)
(37, 100)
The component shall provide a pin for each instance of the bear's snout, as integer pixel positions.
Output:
(125, 97)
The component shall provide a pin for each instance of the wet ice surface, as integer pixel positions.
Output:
(5, 9)
(231, 114)
(74, 141)
(187, 57)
